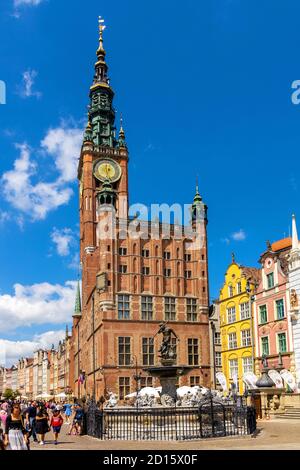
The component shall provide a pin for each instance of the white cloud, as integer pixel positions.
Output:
(12, 351)
(64, 145)
(18, 3)
(37, 199)
(63, 240)
(75, 262)
(37, 304)
(25, 90)
(239, 235)
(4, 217)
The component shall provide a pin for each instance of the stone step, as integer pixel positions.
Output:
(290, 407)
(285, 416)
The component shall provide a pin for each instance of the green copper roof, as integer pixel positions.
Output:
(197, 198)
(77, 310)
(88, 134)
(101, 110)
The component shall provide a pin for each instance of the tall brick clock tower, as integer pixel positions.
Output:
(131, 280)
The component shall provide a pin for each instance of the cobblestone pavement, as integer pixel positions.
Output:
(279, 434)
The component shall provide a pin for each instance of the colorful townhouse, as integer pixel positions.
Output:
(294, 288)
(273, 330)
(236, 322)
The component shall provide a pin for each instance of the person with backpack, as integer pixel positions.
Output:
(56, 424)
(78, 419)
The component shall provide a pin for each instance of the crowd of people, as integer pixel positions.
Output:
(21, 422)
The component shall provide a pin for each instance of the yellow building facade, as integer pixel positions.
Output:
(236, 323)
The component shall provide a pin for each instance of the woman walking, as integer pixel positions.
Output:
(68, 412)
(15, 432)
(42, 426)
(56, 423)
(3, 416)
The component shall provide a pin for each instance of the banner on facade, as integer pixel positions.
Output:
(250, 379)
(289, 379)
(222, 381)
(276, 377)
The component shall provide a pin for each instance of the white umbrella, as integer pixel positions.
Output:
(181, 391)
(152, 392)
(43, 396)
(61, 395)
(130, 395)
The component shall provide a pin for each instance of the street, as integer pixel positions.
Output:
(279, 434)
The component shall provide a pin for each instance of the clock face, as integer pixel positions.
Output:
(107, 170)
(269, 262)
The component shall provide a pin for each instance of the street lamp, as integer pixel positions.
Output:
(137, 377)
(213, 330)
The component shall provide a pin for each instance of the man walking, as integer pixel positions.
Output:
(31, 419)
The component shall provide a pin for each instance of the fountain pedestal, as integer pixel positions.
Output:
(168, 374)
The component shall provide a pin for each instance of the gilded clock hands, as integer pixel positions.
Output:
(107, 170)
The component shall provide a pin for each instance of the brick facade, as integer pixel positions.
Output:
(135, 267)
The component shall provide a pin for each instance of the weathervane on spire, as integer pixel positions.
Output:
(102, 27)
(197, 184)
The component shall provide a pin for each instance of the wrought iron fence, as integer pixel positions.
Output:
(210, 419)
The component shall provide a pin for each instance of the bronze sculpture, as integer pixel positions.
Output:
(167, 349)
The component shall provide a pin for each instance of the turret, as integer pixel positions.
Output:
(77, 310)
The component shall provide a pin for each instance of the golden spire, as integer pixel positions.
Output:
(122, 142)
(101, 29)
(121, 126)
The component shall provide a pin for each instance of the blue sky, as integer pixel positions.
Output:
(204, 90)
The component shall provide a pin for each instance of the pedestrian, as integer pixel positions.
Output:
(56, 423)
(15, 432)
(5, 406)
(68, 412)
(31, 419)
(2, 446)
(42, 426)
(78, 419)
(3, 416)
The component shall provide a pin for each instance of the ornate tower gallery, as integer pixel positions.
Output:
(135, 273)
